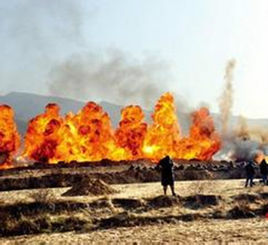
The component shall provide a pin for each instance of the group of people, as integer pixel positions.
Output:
(251, 168)
(165, 165)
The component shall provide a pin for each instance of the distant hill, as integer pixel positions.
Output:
(27, 106)
(22, 126)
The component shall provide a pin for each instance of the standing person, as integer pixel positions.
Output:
(250, 171)
(167, 174)
(264, 171)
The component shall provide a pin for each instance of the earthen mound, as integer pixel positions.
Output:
(128, 203)
(240, 212)
(87, 187)
(247, 197)
(201, 201)
(164, 201)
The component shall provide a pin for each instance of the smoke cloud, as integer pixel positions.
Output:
(226, 98)
(112, 76)
(246, 141)
(35, 34)
(47, 48)
(243, 142)
(255, 138)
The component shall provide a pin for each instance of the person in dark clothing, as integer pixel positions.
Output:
(167, 174)
(264, 171)
(250, 171)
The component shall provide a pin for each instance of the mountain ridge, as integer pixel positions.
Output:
(28, 105)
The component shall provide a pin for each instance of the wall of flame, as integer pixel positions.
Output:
(89, 136)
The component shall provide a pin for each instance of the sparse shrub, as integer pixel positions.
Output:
(43, 195)
(111, 205)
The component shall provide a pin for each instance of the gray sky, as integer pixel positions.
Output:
(103, 48)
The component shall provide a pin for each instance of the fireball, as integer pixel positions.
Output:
(9, 137)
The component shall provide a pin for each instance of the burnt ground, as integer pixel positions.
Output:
(64, 175)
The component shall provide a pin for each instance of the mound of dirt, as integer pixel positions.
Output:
(40, 225)
(201, 201)
(240, 212)
(164, 201)
(128, 203)
(87, 187)
(127, 219)
(247, 197)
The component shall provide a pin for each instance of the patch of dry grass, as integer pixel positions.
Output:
(43, 195)
(253, 231)
(201, 187)
(111, 205)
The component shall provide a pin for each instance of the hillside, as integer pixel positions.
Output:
(28, 105)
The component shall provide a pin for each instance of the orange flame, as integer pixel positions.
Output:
(92, 137)
(131, 132)
(89, 136)
(42, 136)
(9, 137)
(164, 134)
(203, 141)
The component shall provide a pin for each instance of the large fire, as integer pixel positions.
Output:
(203, 141)
(163, 136)
(86, 136)
(9, 137)
(131, 132)
(89, 135)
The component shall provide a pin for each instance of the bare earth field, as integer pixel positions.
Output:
(212, 212)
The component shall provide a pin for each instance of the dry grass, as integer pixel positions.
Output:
(201, 187)
(253, 231)
(111, 205)
(159, 230)
(43, 195)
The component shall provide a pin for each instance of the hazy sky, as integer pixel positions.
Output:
(185, 42)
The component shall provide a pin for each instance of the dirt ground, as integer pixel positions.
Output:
(129, 218)
(140, 171)
(248, 231)
(226, 188)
